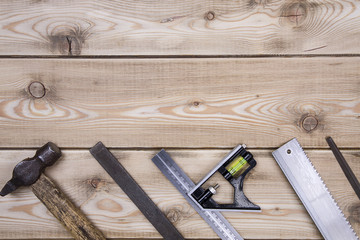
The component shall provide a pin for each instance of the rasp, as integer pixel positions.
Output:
(313, 193)
(135, 192)
(184, 184)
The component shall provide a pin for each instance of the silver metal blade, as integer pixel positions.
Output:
(313, 193)
(184, 184)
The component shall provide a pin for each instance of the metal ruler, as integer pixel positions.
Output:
(135, 192)
(184, 184)
(313, 193)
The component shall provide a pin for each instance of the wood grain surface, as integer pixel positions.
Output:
(204, 27)
(194, 77)
(87, 184)
(181, 103)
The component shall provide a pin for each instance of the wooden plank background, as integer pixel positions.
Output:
(194, 77)
(181, 102)
(214, 27)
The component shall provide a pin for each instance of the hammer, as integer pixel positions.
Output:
(30, 172)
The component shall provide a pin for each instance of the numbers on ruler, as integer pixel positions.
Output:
(219, 224)
(182, 184)
(172, 171)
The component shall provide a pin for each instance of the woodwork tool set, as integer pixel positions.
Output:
(234, 167)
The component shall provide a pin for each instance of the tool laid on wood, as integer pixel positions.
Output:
(233, 168)
(135, 192)
(313, 193)
(29, 172)
(344, 166)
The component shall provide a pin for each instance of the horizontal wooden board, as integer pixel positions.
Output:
(89, 186)
(204, 27)
(182, 103)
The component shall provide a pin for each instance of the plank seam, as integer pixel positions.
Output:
(178, 56)
(174, 148)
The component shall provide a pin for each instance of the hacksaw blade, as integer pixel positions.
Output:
(313, 192)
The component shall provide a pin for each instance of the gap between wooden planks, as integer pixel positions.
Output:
(180, 103)
(206, 27)
(81, 177)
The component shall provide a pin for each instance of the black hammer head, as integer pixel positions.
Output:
(28, 171)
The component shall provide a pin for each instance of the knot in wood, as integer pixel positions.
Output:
(210, 15)
(68, 41)
(174, 215)
(95, 182)
(309, 123)
(294, 14)
(196, 103)
(37, 89)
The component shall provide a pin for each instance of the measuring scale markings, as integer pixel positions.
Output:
(179, 180)
(184, 184)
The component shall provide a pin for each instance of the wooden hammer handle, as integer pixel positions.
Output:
(64, 210)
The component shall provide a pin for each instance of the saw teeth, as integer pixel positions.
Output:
(328, 191)
(282, 160)
(332, 197)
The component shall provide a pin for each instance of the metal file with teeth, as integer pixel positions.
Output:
(313, 193)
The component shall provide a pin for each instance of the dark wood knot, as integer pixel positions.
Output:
(174, 215)
(37, 89)
(96, 183)
(293, 14)
(309, 123)
(68, 41)
(210, 15)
